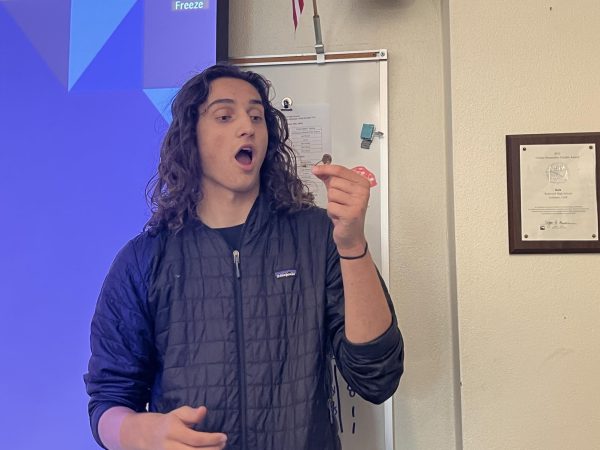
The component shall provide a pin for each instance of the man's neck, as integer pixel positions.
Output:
(225, 211)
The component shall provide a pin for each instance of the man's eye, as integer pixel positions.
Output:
(257, 118)
(223, 118)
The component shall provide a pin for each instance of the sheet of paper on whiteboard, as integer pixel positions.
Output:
(310, 136)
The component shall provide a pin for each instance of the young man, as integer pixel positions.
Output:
(213, 327)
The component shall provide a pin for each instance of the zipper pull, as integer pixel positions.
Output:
(236, 261)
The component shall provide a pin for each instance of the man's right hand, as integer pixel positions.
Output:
(154, 431)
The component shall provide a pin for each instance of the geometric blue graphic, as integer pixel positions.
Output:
(118, 65)
(46, 26)
(173, 42)
(162, 99)
(92, 23)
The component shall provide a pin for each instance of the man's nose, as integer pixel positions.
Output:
(246, 127)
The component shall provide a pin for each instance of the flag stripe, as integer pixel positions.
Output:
(297, 8)
(294, 16)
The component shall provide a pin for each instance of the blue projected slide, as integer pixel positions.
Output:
(84, 95)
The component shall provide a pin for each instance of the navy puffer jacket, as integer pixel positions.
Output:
(179, 323)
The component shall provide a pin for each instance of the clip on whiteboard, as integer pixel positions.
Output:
(366, 135)
(286, 104)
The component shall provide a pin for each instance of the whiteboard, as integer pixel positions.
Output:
(346, 90)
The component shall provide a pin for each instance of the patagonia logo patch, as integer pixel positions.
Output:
(285, 273)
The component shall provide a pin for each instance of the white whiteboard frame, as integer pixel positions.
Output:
(331, 58)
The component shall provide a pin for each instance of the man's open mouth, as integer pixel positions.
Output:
(244, 156)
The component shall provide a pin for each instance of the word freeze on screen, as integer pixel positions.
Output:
(182, 6)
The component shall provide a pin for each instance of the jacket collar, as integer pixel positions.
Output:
(258, 217)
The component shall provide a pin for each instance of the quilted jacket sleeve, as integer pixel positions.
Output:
(120, 371)
(373, 369)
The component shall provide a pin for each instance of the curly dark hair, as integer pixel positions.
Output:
(174, 191)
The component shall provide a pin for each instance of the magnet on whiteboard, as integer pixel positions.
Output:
(286, 104)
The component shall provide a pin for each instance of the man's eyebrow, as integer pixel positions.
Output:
(230, 101)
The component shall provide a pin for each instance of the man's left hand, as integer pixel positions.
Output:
(347, 200)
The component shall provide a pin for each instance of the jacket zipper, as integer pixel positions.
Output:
(242, 355)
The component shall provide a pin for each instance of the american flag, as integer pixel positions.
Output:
(297, 7)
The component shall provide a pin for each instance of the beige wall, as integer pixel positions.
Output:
(529, 324)
(462, 75)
